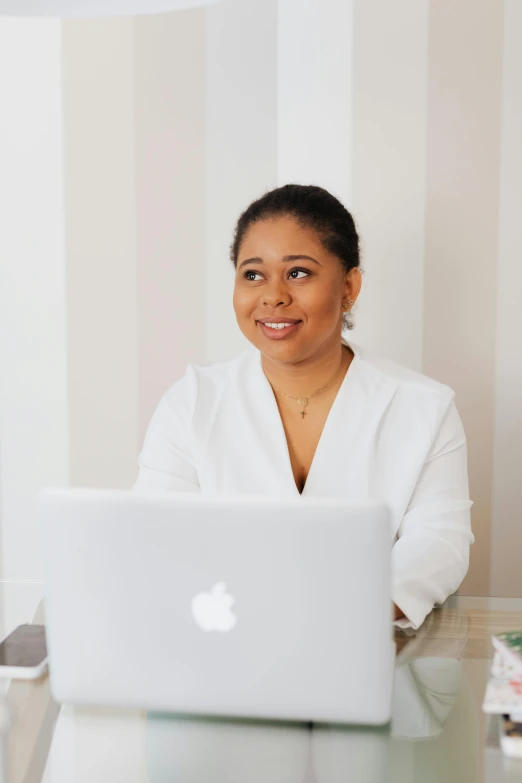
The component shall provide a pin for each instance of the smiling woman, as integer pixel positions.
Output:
(305, 412)
(292, 306)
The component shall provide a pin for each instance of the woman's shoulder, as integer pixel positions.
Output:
(208, 378)
(218, 374)
(407, 379)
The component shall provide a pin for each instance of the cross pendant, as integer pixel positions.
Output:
(303, 413)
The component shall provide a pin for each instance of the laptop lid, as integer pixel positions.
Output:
(250, 606)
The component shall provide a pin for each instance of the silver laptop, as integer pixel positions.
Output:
(244, 607)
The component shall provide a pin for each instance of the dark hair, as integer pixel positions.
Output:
(312, 207)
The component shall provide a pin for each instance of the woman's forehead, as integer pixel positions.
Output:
(279, 236)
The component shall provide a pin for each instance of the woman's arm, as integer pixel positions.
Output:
(431, 555)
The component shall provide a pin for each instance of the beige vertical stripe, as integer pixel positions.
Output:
(169, 73)
(389, 141)
(98, 106)
(464, 94)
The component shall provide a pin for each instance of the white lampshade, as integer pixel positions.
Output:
(87, 8)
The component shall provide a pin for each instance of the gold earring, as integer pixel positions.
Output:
(346, 306)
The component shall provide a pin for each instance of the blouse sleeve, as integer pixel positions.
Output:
(166, 462)
(431, 556)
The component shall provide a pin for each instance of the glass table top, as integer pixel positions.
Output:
(438, 731)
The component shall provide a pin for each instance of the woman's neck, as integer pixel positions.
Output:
(304, 377)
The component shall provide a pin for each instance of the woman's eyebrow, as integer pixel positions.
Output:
(258, 260)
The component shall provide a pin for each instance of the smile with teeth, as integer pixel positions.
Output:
(277, 326)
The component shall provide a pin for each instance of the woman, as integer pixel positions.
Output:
(305, 412)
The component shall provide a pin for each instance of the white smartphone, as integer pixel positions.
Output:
(23, 654)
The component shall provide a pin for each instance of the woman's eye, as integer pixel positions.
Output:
(251, 275)
(294, 274)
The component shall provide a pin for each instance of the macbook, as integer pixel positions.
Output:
(244, 607)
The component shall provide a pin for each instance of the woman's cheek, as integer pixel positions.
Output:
(244, 305)
(239, 302)
(319, 304)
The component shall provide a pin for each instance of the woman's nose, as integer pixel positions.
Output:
(275, 293)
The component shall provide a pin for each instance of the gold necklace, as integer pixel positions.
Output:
(303, 401)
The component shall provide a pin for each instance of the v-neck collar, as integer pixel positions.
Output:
(283, 460)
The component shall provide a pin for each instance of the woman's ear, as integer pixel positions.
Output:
(352, 284)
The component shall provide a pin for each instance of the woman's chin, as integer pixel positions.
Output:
(290, 351)
(277, 345)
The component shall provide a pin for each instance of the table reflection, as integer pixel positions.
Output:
(432, 735)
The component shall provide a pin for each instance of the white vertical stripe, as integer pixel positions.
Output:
(33, 358)
(241, 145)
(315, 94)
(506, 574)
(389, 173)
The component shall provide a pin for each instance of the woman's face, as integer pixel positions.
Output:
(284, 275)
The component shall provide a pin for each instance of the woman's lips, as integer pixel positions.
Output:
(279, 333)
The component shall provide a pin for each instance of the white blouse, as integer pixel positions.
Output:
(392, 434)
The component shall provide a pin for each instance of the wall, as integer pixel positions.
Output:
(506, 578)
(410, 112)
(33, 345)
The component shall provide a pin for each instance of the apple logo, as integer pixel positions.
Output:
(212, 611)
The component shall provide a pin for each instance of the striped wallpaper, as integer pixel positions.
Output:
(128, 147)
